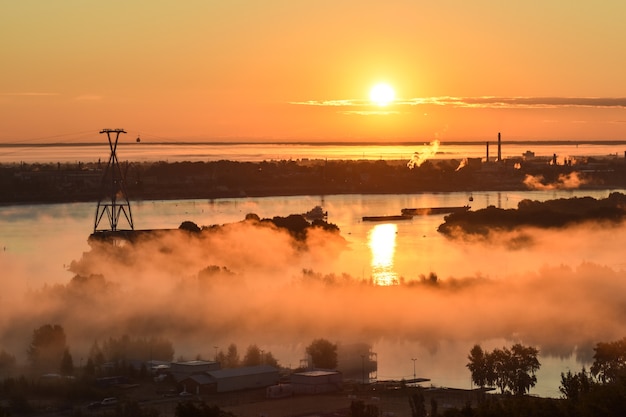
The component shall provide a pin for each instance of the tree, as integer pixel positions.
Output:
(190, 227)
(512, 369)
(524, 364)
(323, 354)
(269, 359)
(230, 359)
(47, 347)
(609, 360)
(7, 363)
(67, 364)
(253, 356)
(573, 386)
(478, 366)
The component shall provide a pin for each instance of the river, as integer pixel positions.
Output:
(40, 241)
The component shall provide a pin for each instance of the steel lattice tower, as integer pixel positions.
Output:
(113, 199)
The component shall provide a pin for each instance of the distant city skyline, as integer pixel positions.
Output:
(278, 71)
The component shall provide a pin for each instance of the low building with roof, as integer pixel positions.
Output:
(316, 381)
(182, 370)
(230, 379)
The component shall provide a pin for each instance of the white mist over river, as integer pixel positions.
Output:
(562, 293)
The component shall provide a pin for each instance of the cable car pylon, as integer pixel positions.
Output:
(113, 201)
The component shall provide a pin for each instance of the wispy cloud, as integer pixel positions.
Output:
(490, 102)
(28, 94)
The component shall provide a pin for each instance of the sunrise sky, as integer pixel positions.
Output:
(297, 70)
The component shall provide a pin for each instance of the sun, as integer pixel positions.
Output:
(382, 94)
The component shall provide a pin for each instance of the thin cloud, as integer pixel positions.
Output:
(484, 102)
(370, 112)
(28, 94)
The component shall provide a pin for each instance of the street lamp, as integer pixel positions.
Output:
(414, 359)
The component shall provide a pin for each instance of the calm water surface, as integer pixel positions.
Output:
(44, 239)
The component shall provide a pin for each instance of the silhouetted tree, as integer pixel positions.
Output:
(323, 354)
(523, 365)
(252, 356)
(190, 227)
(269, 359)
(574, 386)
(512, 369)
(609, 360)
(7, 363)
(47, 347)
(479, 367)
(67, 364)
(126, 347)
(231, 359)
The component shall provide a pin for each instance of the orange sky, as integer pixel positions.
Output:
(302, 70)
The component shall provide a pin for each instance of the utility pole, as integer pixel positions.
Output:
(414, 359)
(113, 201)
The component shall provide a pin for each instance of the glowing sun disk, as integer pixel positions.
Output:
(382, 94)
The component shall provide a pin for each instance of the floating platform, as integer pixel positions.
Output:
(387, 218)
(425, 211)
(127, 235)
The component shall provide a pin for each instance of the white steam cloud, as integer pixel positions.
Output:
(425, 153)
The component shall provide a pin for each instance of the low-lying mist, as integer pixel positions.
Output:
(246, 284)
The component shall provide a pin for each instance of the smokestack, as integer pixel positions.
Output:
(499, 148)
(487, 158)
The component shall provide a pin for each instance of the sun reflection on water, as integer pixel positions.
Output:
(382, 243)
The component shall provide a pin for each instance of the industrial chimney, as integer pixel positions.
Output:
(487, 156)
(499, 148)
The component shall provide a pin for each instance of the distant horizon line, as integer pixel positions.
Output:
(329, 143)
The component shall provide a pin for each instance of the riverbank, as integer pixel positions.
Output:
(82, 182)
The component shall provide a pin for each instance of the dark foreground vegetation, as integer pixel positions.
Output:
(65, 182)
(131, 389)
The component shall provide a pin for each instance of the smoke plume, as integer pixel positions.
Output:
(425, 153)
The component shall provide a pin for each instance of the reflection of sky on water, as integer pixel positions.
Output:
(382, 244)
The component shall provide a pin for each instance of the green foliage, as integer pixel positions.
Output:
(323, 354)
